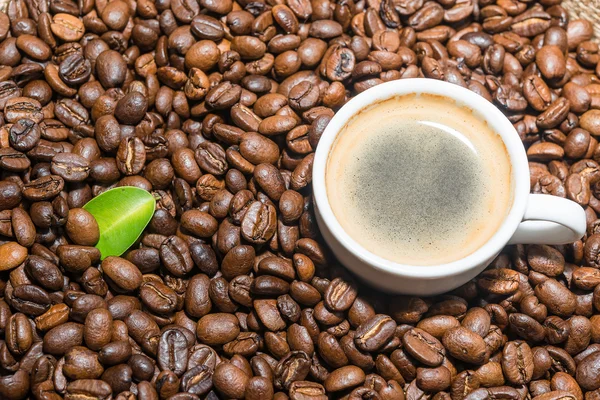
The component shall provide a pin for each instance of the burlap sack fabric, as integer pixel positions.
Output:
(586, 9)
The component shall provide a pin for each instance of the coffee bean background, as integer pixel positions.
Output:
(216, 108)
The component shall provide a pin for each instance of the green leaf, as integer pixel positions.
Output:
(122, 214)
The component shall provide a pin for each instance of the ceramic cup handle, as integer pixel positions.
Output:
(550, 220)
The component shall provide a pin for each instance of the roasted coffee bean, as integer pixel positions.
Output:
(259, 222)
(197, 300)
(89, 388)
(551, 62)
(517, 353)
(558, 299)
(217, 108)
(67, 27)
(70, 166)
(131, 156)
(344, 378)
(22, 227)
(24, 135)
(230, 380)
(143, 330)
(110, 68)
(423, 347)
(44, 188)
(122, 273)
(76, 258)
(45, 272)
(217, 328)
(206, 27)
(62, 337)
(19, 336)
(18, 108)
(199, 223)
(211, 158)
(477, 320)
(175, 255)
(204, 258)
(71, 113)
(173, 351)
(537, 92)
(97, 330)
(141, 366)
(75, 69)
(465, 345)
(131, 108)
(82, 227)
(499, 281)
(375, 333)
(12, 160)
(270, 180)
(197, 380)
(158, 298)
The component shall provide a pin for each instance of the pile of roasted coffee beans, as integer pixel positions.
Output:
(216, 108)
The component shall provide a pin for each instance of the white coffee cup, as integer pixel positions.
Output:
(532, 218)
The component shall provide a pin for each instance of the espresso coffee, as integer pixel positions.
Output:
(419, 180)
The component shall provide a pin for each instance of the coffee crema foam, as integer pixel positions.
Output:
(419, 180)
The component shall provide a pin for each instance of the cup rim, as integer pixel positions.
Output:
(497, 121)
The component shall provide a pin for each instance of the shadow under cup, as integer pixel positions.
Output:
(411, 275)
